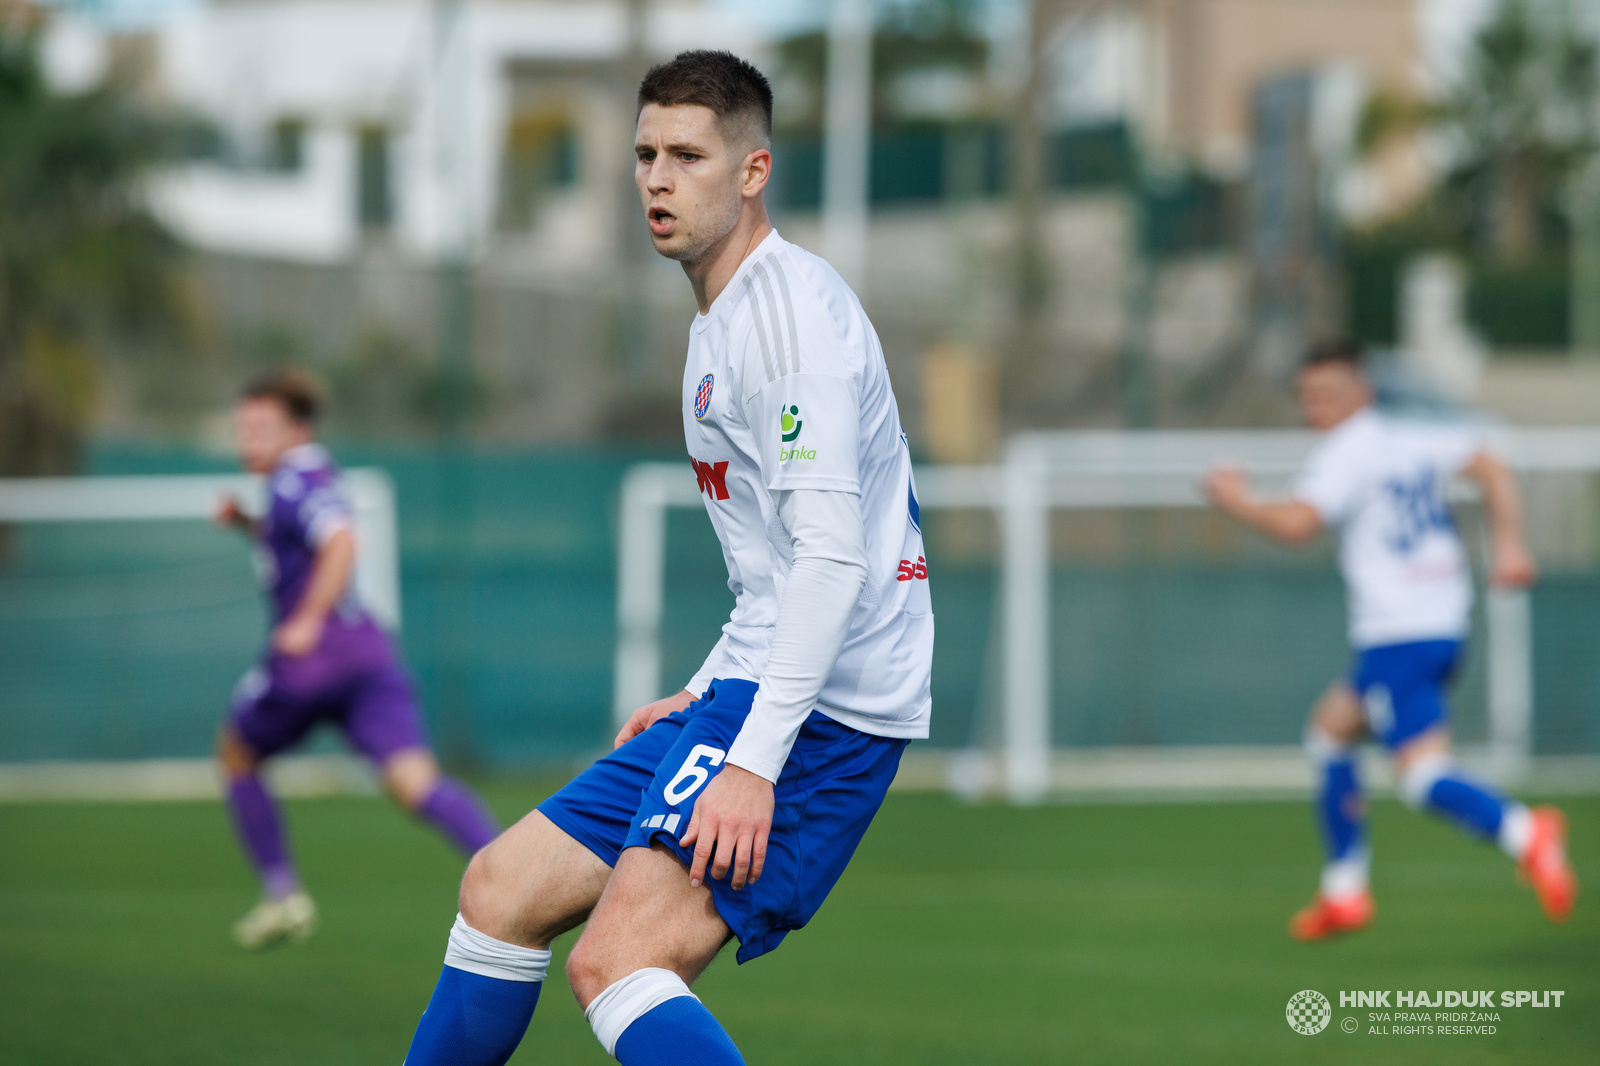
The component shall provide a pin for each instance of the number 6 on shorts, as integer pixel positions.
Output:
(691, 775)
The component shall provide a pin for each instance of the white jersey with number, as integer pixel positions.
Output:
(1381, 483)
(786, 388)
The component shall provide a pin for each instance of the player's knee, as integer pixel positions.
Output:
(410, 777)
(1419, 775)
(491, 898)
(586, 972)
(238, 759)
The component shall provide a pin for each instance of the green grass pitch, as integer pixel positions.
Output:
(960, 934)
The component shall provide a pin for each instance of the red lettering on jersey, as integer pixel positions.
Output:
(913, 571)
(712, 478)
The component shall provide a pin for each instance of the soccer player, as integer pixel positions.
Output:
(1380, 482)
(729, 809)
(327, 660)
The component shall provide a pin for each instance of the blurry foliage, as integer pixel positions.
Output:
(383, 386)
(1520, 125)
(83, 266)
(928, 35)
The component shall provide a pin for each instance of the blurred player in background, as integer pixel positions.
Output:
(730, 809)
(326, 661)
(1381, 483)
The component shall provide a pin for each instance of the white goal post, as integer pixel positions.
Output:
(1043, 472)
(194, 496)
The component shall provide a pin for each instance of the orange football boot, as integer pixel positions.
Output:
(1330, 917)
(1544, 865)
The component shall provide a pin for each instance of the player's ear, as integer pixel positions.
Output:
(757, 168)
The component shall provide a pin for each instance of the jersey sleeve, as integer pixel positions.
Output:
(314, 503)
(1330, 482)
(807, 429)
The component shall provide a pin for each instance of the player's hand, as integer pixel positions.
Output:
(298, 635)
(733, 818)
(650, 714)
(229, 515)
(1513, 566)
(1228, 488)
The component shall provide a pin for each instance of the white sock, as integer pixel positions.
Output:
(1417, 780)
(1323, 748)
(1516, 830)
(1346, 877)
(625, 1002)
(482, 954)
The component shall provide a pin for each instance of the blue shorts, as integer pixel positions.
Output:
(1402, 687)
(825, 798)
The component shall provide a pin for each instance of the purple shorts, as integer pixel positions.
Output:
(352, 680)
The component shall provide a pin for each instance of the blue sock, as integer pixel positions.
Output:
(678, 1031)
(1341, 813)
(1476, 808)
(473, 1020)
(482, 1003)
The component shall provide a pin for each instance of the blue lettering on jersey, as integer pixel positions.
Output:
(1417, 508)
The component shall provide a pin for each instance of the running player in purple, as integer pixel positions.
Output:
(326, 660)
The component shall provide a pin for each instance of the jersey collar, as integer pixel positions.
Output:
(306, 456)
(727, 296)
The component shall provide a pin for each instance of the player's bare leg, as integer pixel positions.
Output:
(533, 883)
(285, 911)
(1536, 839)
(1343, 902)
(651, 934)
(412, 777)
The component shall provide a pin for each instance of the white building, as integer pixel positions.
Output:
(428, 128)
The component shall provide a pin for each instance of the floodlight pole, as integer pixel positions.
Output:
(847, 140)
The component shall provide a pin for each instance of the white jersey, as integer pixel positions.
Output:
(1381, 483)
(786, 388)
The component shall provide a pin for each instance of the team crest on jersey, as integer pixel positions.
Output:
(702, 396)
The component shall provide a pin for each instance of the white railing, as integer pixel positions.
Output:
(1043, 472)
(194, 496)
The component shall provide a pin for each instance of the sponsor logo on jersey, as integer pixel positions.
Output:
(712, 478)
(909, 571)
(791, 424)
(702, 396)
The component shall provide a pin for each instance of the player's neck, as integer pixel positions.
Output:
(710, 274)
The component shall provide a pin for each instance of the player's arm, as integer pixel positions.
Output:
(330, 577)
(1511, 563)
(230, 514)
(1292, 522)
(734, 815)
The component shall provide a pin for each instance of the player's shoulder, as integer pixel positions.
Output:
(302, 470)
(794, 314)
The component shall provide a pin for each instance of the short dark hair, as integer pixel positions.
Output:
(1345, 353)
(294, 391)
(734, 90)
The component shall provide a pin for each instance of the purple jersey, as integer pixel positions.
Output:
(305, 507)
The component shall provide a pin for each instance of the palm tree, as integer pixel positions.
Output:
(86, 274)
